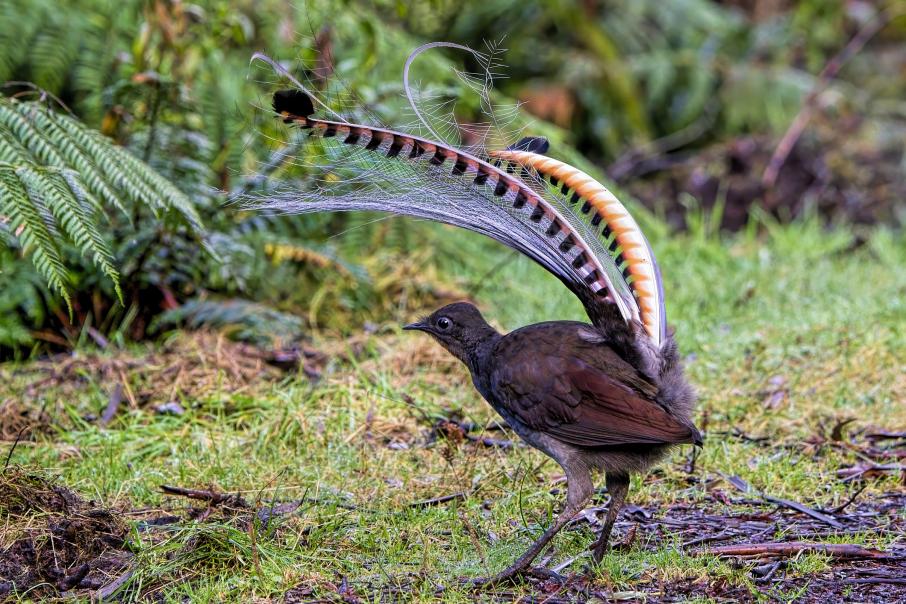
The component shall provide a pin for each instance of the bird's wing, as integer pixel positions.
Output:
(591, 405)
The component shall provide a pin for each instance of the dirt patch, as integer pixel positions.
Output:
(191, 365)
(405, 359)
(831, 171)
(53, 540)
(18, 421)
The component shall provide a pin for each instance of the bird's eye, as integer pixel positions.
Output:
(444, 323)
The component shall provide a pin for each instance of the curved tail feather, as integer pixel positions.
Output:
(404, 174)
(629, 246)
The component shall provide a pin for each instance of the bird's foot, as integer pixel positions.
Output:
(513, 574)
(599, 548)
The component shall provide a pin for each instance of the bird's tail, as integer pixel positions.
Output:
(601, 256)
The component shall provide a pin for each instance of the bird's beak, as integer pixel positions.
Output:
(418, 325)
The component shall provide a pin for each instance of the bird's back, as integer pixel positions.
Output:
(565, 379)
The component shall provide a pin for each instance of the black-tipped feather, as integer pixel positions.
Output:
(293, 102)
(535, 144)
(404, 174)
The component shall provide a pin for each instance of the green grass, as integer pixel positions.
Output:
(798, 310)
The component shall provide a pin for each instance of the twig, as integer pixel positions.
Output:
(690, 464)
(438, 500)
(41, 92)
(108, 590)
(723, 536)
(848, 502)
(770, 573)
(856, 472)
(892, 580)
(885, 435)
(211, 497)
(487, 441)
(565, 564)
(743, 486)
(792, 548)
(737, 433)
(795, 505)
(9, 455)
(113, 404)
(280, 509)
(827, 74)
(98, 337)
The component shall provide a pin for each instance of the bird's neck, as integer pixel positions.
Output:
(478, 349)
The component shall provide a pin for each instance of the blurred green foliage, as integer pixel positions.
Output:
(173, 83)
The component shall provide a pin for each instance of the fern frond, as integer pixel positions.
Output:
(240, 319)
(65, 152)
(52, 54)
(56, 179)
(28, 224)
(310, 254)
(18, 23)
(61, 193)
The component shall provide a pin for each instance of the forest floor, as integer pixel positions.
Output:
(367, 469)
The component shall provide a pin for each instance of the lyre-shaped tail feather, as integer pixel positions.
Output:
(404, 174)
(628, 244)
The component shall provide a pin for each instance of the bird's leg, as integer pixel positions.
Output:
(617, 486)
(578, 491)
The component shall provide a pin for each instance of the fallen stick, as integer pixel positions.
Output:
(746, 488)
(885, 435)
(846, 503)
(437, 500)
(113, 404)
(487, 441)
(876, 580)
(212, 497)
(786, 144)
(868, 470)
(710, 538)
(795, 505)
(108, 590)
(793, 548)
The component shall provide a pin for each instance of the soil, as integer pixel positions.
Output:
(830, 171)
(54, 542)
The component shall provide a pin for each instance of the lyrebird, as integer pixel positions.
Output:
(609, 395)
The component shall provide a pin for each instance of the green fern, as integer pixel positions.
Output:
(243, 320)
(57, 177)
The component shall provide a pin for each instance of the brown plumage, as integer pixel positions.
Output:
(590, 398)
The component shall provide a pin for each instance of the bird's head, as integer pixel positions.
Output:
(459, 328)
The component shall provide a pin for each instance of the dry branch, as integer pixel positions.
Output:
(745, 487)
(437, 500)
(212, 497)
(830, 70)
(793, 548)
(113, 404)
